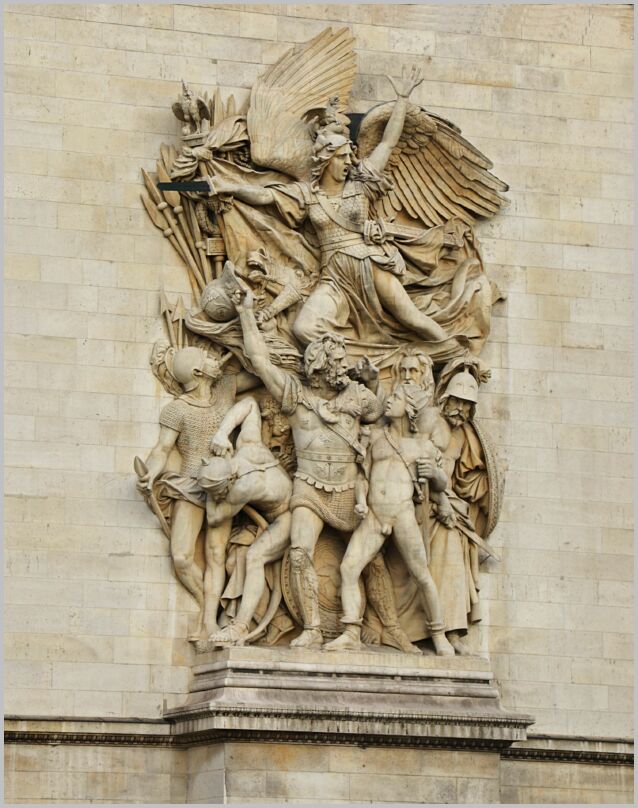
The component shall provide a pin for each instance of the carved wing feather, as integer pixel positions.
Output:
(178, 112)
(202, 106)
(437, 173)
(304, 78)
(464, 182)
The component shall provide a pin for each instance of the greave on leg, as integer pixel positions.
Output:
(379, 591)
(381, 596)
(305, 587)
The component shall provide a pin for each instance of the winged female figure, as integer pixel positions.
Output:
(385, 227)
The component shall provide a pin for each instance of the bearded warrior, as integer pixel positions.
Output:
(325, 412)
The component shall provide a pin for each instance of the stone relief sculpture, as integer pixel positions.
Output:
(400, 464)
(347, 500)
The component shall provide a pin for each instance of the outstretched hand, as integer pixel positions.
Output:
(404, 86)
(243, 299)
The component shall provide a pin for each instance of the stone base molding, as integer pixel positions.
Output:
(386, 699)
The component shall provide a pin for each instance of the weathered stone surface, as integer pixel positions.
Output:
(69, 144)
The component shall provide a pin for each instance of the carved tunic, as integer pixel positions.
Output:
(345, 300)
(197, 422)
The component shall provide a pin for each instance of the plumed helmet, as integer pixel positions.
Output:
(462, 385)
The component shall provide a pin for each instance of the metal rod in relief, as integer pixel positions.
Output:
(184, 186)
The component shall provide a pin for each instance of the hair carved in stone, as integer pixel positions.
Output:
(348, 498)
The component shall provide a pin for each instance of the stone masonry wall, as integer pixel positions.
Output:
(95, 620)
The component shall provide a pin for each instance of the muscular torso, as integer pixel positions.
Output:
(391, 484)
(260, 481)
(325, 454)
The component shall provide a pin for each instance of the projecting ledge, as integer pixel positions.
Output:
(372, 697)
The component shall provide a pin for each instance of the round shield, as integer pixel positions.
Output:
(495, 478)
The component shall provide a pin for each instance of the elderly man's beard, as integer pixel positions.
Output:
(335, 376)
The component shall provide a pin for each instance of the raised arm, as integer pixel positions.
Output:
(403, 88)
(244, 412)
(256, 349)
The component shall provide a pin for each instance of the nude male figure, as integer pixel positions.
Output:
(399, 460)
(235, 477)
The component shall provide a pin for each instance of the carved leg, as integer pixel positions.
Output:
(186, 524)
(381, 596)
(458, 643)
(364, 543)
(306, 527)
(318, 315)
(268, 547)
(215, 573)
(397, 301)
(408, 539)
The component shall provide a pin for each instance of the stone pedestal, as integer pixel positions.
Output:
(351, 697)
(442, 708)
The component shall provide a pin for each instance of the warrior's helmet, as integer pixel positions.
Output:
(216, 475)
(217, 303)
(187, 360)
(462, 385)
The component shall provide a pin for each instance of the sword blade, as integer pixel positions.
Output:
(184, 186)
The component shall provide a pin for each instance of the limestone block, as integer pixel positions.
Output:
(596, 83)
(147, 650)
(257, 26)
(59, 647)
(287, 758)
(97, 703)
(617, 541)
(146, 705)
(209, 786)
(102, 12)
(616, 109)
(614, 29)
(396, 788)
(621, 700)
(214, 757)
(33, 701)
(288, 785)
(98, 676)
(602, 671)
(562, 54)
(204, 20)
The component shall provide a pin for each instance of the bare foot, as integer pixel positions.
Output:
(232, 634)
(309, 638)
(441, 644)
(398, 639)
(345, 642)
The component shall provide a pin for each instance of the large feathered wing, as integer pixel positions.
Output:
(437, 173)
(303, 79)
